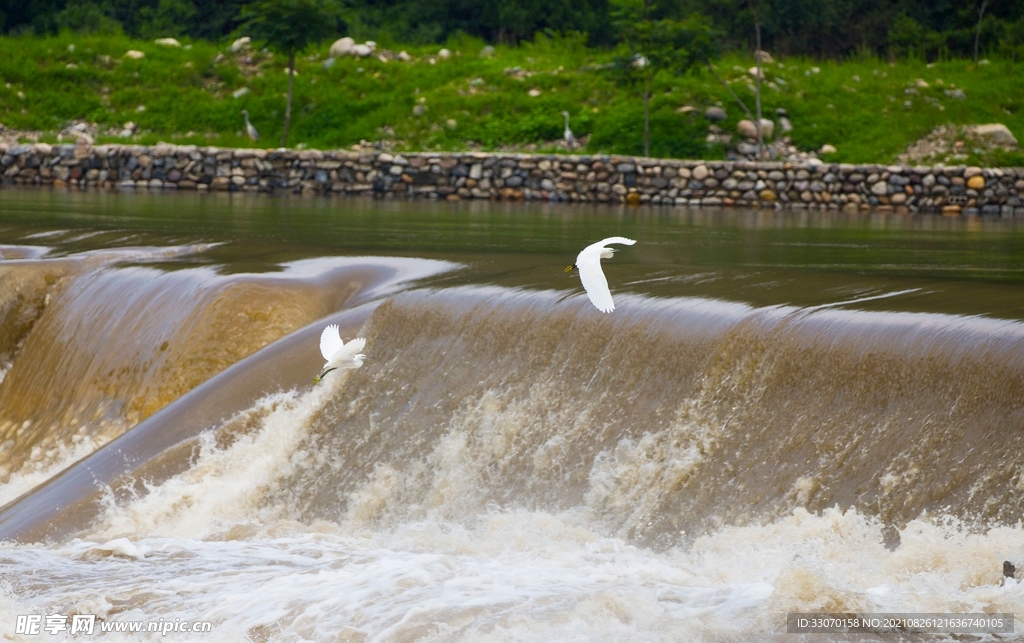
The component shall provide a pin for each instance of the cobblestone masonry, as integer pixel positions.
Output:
(950, 190)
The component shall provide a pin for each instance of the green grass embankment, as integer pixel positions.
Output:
(868, 109)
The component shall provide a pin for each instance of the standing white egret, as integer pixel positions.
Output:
(570, 140)
(249, 129)
(588, 262)
(339, 354)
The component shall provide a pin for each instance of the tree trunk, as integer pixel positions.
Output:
(647, 85)
(977, 30)
(647, 117)
(288, 103)
(757, 82)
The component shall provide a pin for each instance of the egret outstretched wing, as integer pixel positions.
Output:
(330, 342)
(620, 240)
(349, 351)
(595, 283)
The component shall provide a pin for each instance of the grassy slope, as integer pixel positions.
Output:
(188, 98)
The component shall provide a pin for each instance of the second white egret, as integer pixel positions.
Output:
(570, 140)
(339, 354)
(588, 262)
(250, 131)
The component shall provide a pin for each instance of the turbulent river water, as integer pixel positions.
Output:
(786, 412)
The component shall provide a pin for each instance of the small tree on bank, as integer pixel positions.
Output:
(650, 46)
(288, 27)
(977, 29)
(755, 12)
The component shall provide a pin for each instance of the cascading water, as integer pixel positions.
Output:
(508, 465)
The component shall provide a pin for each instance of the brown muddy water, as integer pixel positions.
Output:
(786, 412)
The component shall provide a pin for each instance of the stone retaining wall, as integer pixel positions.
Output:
(453, 176)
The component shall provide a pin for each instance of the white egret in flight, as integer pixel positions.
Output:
(249, 129)
(588, 262)
(339, 354)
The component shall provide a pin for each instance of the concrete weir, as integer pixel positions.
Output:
(951, 190)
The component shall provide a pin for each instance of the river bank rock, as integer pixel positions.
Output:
(996, 133)
(802, 184)
(715, 114)
(342, 47)
(949, 144)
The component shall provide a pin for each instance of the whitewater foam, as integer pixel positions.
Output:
(232, 470)
(517, 576)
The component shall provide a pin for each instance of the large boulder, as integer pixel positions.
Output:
(994, 133)
(361, 50)
(342, 47)
(715, 114)
(747, 129)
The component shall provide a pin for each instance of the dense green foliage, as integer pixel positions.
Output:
(869, 109)
(288, 27)
(653, 46)
(929, 29)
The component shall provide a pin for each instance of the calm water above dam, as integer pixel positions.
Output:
(786, 412)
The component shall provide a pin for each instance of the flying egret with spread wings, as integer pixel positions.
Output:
(339, 354)
(588, 262)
